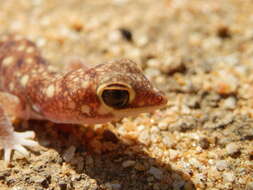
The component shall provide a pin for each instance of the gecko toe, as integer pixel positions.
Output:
(26, 134)
(21, 149)
(7, 155)
(19, 141)
(24, 138)
(27, 142)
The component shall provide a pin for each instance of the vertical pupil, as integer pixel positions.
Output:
(115, 98)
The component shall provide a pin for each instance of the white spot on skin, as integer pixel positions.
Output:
(18, 37)
(156, 90)
(52, 68)
(85, 109)
(76, 79)
(11, 86)
(36, 108)
(7, 61)
(4, 38)
(21, 48)
(40, 70)
(29, 60)
(30, 49)
(18, 74)
(85, 84)
(24, 80)
(50, 91)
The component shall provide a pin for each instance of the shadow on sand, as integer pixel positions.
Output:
(103, 157)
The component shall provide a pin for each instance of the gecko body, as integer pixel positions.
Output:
(30, 88)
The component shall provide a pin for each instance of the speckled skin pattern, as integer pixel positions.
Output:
(32, 89)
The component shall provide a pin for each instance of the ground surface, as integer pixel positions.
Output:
(199, 52)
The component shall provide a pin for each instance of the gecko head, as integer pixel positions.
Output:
(123, 90)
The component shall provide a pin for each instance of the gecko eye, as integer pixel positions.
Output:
(115, 95)
(115, 98)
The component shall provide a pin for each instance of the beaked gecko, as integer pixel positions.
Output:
(31, 89)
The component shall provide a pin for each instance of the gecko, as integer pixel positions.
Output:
(31, 88)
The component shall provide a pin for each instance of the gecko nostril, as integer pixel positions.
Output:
(161, 99)
(164, 100)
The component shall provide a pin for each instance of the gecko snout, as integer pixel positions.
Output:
(159, 99)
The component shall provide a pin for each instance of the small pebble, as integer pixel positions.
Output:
(40, 180)
(114, 36)
(153, 63)
(168, 141)
(194, 162)
(4, 174)
(142, 40)
(163, 125)
(145, 137)
(173, 154)
(173, 64)
(178, 184)
(69, 153)
(193, 102)
(108, 186)
(230, 103)
(200, 178)
(63, 185)
(116, 186)
(228, 177)
(232, 149)
(126, 34)
(204, 143)
(128, 163)
(224, 32)
(157, 173)
(17, 188)
(152, 72)
(221, 165)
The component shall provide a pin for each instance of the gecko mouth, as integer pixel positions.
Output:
(136, 111)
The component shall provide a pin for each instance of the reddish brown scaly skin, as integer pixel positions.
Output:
(68, 97)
